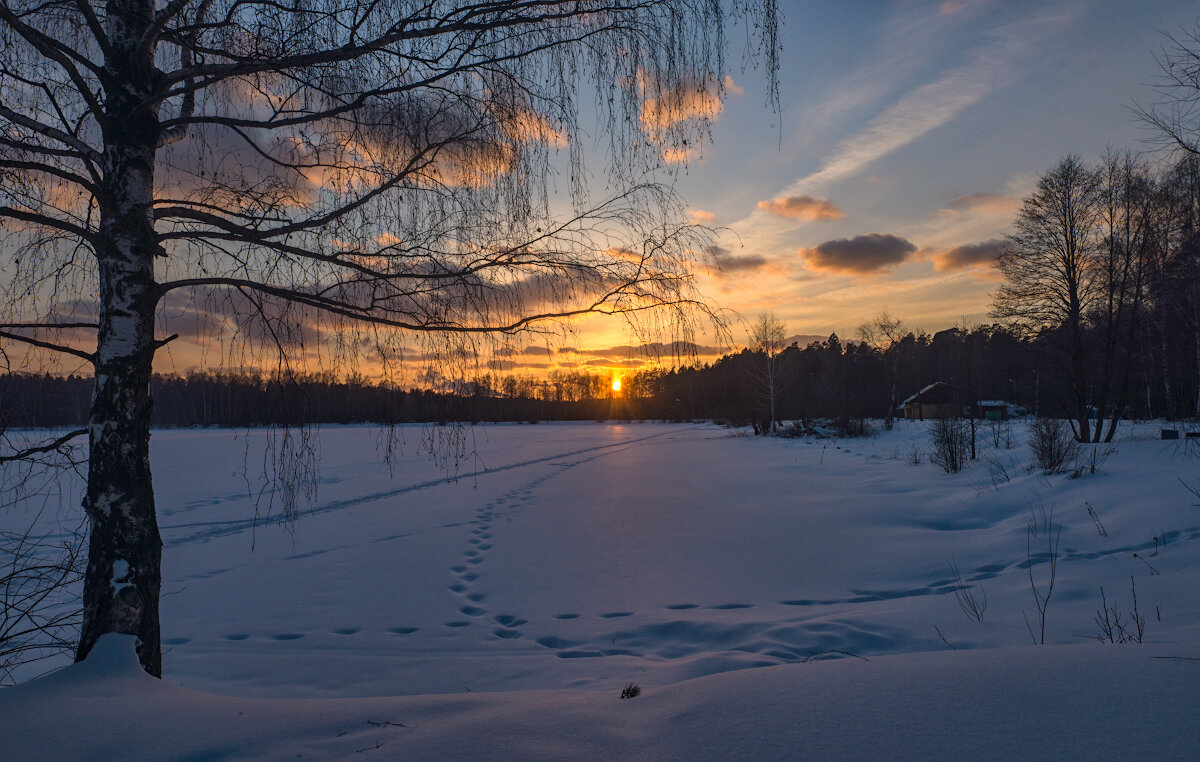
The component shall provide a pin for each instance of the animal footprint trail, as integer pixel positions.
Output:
(468, 574)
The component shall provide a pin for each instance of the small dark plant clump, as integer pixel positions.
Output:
(1089, 459)
(631, 691)
(1053, 444)
(850, 427)
(1100, 526)
(950, 438)
(1116, 627)
(796, 430)
(972, 605)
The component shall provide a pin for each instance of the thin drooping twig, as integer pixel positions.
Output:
(971, 606)
(1041, 524)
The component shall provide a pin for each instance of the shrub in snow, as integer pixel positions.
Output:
(1089, 458)
(951, 440)
(1116, 627)
(1053, 444)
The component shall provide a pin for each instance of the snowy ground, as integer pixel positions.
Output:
(568, 560)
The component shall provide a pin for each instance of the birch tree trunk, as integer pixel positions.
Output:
(123, 578)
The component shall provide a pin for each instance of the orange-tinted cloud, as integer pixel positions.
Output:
(675, 114)
(802, 208)
(702, 217)
(527, 125)
(969, 256)
(678, 155)
(688, 100)
(867, 254)
(733, 88)
(623, 254)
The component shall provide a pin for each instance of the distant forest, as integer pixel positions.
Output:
(841, 382)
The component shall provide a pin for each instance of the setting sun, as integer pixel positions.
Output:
(616, 385)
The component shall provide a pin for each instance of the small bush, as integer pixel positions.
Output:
(997, 470)
(1116, 627)
(916, 454)
(951, 441)
(1053, 444)
(1089, 458)
(631, 691)
(849, 427)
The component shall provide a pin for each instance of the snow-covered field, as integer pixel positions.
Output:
(499, 615)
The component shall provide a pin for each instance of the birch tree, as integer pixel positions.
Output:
(767, 337)
(883, 332)
(316, 179)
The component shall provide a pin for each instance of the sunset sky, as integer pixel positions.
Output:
(910, 132)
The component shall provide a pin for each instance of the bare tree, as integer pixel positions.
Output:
(883, 332)
(1133, 213)
(1078, 270)
(316, 180)
(1176, 115)
(1050, 270)
(767, 337)
(1175, 123)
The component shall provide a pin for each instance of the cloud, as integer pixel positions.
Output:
(526, 125)
(969, 256)
(686, 101)
(627, 364)
(624, 254)
(989, 203)
(802, 208)
(678, 112)
(727, 262)
(924, 109)
(679, 155)
(701, 217)
(862, 255)
(950, 7)
(653, 349)
(732, 87)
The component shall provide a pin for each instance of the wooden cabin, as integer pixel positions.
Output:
(937, 400)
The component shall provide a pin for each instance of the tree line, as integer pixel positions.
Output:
(841, 382)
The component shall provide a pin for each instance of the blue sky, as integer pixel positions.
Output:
(911, 130)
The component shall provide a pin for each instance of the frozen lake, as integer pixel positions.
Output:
(587, 555)
(590, 556)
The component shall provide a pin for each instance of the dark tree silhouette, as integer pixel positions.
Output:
(307, 182)
(1050, 272)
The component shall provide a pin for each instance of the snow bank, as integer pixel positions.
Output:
(1058, 702)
